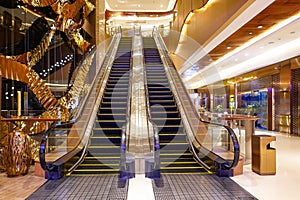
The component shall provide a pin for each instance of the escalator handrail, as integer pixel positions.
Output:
(129, 103)
(230, 131)
(62, 159)
(156, 145)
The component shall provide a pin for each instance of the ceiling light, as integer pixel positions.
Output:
(161, 5)
(260, 26)
(229, 47)
(250, 33)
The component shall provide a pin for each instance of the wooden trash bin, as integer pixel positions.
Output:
(263, 155)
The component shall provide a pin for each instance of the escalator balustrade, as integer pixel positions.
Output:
(103, 155)
(175, 155)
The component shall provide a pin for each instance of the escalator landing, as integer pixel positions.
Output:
(171, 186)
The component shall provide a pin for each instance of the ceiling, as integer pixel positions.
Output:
(265, 33)
(262, 35)
(147, 14)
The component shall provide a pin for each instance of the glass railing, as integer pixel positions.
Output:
(64, 140)
(211, 140)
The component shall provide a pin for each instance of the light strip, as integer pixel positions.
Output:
(171, 4)
(280, 53)
(183, 32)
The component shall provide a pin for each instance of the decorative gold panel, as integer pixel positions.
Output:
(40, 3)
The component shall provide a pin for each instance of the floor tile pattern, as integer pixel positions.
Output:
(195, 187)
(86, 187)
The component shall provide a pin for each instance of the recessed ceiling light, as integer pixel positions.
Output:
(246, 54)
(229, 47)
(161, 5)
(250, 33)
(261, 47)
(139, 5)
(260, 26)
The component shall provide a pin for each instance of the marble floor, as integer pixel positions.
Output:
(283, 185)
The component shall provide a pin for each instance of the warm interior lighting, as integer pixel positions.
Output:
(249, 78)
(140, 6)
(231, 82)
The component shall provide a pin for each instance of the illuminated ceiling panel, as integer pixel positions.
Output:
(140, 5)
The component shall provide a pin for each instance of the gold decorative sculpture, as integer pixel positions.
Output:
(32, 57)
(16, 147)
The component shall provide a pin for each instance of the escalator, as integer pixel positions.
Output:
(175, 154)
(103, 153)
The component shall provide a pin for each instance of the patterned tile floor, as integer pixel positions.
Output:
(87, 187)
(170, 187)
(196, 187)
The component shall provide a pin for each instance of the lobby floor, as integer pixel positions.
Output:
(283, 185)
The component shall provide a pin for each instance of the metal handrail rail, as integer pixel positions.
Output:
(125, 136)
(230, 131)
(129, 102)
(42, 153)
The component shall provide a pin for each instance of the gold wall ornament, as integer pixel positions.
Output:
(32, 57)
(88, 8)
(17, 154)
(2, 163)
(79, 87)
(81, 43)
(34, 146)
(66, 10)
(3, 141)
(4, 127)
(13, 70)
(38, 86)
(39, 3)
